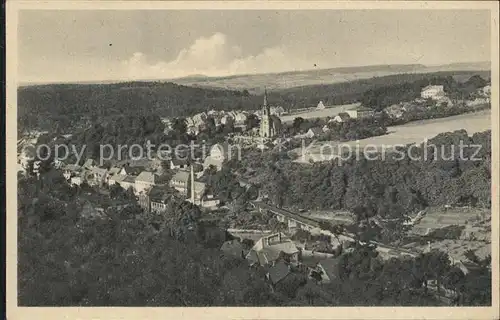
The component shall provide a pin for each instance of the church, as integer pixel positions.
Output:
(270, 125)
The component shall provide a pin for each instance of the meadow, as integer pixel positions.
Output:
(413, 132)
(319, 113)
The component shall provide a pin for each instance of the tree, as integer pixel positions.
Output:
(476, 82)
(297, 123)
(210, 126)
(433, 265)
(116, 192)
(251, 121)
(179, 125)
(228, 126)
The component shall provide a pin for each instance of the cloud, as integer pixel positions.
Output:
(214, 56)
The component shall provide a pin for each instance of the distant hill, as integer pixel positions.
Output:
(255, 83)
(64, 105)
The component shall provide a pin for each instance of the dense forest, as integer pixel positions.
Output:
(65, 106)
(382, 97)
(131, 258)
(390, 188)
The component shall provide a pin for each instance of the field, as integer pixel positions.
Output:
(457, 248)
(315, 113)
(413, 132)
(255, 83)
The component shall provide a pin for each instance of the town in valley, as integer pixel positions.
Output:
(244, 208)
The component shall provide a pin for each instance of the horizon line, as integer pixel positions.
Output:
(22, 83)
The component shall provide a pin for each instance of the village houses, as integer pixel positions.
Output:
(219, 153)
(433, 92)
(341, 117)
(270, 248)
(360, 113)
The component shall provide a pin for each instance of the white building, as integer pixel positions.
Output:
(360, 113)
(240, 118)
(486, 90)
(269, 248)
(341, 117)
(180, 182)
(219, 153)
(320, 106)
(395, 111)
(432, 92)
(145, 181)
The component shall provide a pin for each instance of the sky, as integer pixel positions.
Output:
(96, 45)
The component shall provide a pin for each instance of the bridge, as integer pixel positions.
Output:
(296, 221)
(290, 218)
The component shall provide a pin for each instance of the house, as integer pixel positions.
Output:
(144, 201)
(209, 201)
(97, 176)
(219, 153)
(114, 171)
(240, 118)
(326, 270)
(128, 182)
(325, 128)
(199, 118)
(177, 163)
(145, 180)
(131, 171)
(360, 113)
(444, 101)
(313, 132)
(233, 248)
(395, 111)
(158, 199)
(193, 130)
(226, 119)
(89, 163)
(467, 266)
(197, 192)
(341, 117)
(76, 180)
(477, 102)
(432, 92)
(270, 248)
(320, 106)
(277, 111)
(180, 182)
(486, 90)
(115, 179)
(71, 170)
(278, 272)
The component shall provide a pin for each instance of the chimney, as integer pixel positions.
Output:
(192, 185)
(428, 246)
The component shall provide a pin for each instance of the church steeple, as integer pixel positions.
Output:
(265, 97)
(265, 107)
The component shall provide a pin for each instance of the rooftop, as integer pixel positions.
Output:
(331, 266)
(147, 177)
(278, 272)
(179, 162)
(129, 179)
(181, 176)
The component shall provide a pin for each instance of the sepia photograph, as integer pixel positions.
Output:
(252, 155)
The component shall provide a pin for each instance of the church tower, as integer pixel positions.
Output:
(266, 124)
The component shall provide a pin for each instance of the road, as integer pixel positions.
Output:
(380, 247)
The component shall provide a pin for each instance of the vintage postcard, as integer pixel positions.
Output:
(252, 160)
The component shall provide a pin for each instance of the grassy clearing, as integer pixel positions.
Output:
(413, 132)
(315, 113)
